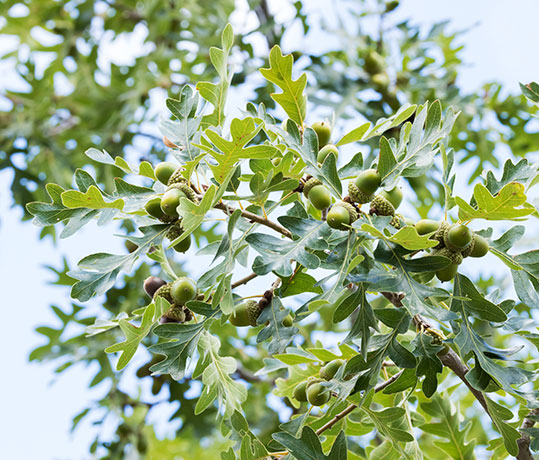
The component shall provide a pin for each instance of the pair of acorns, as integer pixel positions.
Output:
(313, 390)
(247, 313)
(177, 293)
(165, 207)
(455, 242)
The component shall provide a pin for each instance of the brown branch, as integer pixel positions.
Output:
(243, 280)
(256, 218)
(352, 407)
(524, 441)
(450, 359)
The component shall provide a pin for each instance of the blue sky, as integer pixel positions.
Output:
(502, 46)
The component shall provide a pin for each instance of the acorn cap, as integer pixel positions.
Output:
(253, 311)
(439, 235)
(177, 177)
(164, 291)
(175, 314)
(382, 207)
(397, 221)
(175, 230)
(454, 256)
(351, 210)
(466, 252)
(313, 181)
(188, 191)
(357, 195)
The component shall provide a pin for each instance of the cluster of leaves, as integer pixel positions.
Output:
(368, 281)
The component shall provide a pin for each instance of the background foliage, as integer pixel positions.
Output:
(51, 127)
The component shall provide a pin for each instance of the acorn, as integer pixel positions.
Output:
(174, 231)
(480, 247)
(447, 273)
(382, 207)
(300, 392)
(239, 316)
(458, 237)
(152, 284)
(357, 195)
(323, 132)
(439, 235)
(341, 214)
(188, 191)
(330, 369)
(325, 151)
(394, 196)
(164, 170)
(317, 394)
(312, 182)
(425, 226)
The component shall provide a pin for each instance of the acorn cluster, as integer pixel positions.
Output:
(247, 313)
(177, 293)
(165, 207)
(455, 242)
(313, 390)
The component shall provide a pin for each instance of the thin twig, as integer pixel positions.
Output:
(243, 280)
(256, 218)
(352, 407)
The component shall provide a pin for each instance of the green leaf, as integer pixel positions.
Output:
(508, 204)
(429, 365)
(272, 316)
(228, 153)
(400, 280)
(407, 237)
(178, 347)
(449, 427)
(298, 283)
(308, 446)
(216, 93)
(134, 335)
(521, 172)
(218, 384)
(97, 273)
(277, 254)
(499, 414)
(292, 99)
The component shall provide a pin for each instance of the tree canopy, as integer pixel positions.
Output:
(313, 315)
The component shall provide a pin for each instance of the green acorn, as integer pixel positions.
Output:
(317, 394)
(330, 369)
(447, 273)
(458, 237)
(454, 256)
(425, 226)
(357, 195)
(176, 177)
(312, 182)
(382, 207)
(183, 187)
(164, 291)
(300, 392)
(253, 312)
(164, 170)
(480, 246)
(319, 197)
(341, 214)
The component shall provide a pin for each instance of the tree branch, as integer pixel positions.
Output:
(524, 441)
(449, 359)
(256, 218)
(243, 280)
